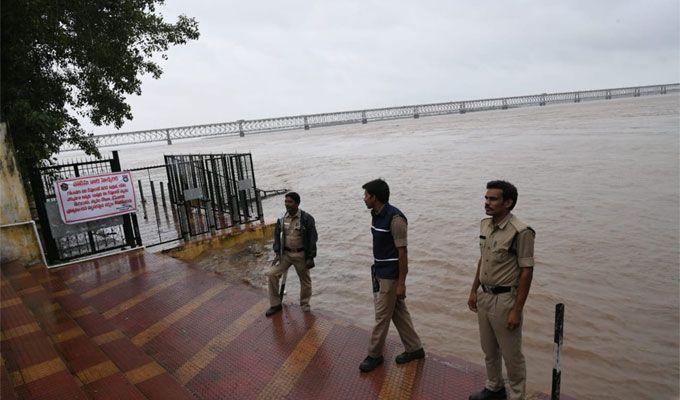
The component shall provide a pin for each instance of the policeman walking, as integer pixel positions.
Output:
(389, 227)
(504, 273)
(295, 244)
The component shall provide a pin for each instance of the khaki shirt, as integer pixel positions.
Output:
(501, 260)
(291, 225)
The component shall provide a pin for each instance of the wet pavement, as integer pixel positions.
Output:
(142, 325)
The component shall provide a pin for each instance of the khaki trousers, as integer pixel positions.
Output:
(275, 273)
(498, 341)
(388, 307)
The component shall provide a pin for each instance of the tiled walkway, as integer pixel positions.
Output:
(140, 325)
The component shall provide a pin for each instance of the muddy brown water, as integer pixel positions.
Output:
(597, 181)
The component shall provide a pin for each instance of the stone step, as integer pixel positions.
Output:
(35, 368)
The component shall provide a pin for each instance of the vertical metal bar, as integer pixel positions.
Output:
(141, 191)
(258, 198)
(228, 186)
(557, 368)
(135, 226)
(128, 231)
(153, 194)
(163, 195)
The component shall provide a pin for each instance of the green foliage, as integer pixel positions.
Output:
(63, 58)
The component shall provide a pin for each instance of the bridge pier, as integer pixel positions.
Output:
(306, 123)
(240, 128)
(416, 113)
(363, 117)
(462, 107)
(167, 136)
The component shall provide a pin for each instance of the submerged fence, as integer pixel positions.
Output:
(243, 127)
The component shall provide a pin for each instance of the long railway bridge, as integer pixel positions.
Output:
(243, 127)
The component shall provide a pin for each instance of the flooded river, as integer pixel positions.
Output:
(597, 181)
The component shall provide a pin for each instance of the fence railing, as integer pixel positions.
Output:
(243, 127)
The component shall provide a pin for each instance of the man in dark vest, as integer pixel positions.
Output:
(390, 266)
(295, 244)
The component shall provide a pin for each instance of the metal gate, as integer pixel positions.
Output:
(213, 191)
(65, 242)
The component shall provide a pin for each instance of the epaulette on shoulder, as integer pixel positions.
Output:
(519, 225)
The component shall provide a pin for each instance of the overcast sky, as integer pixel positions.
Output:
(264, 59)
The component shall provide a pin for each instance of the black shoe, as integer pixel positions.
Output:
(487, 394)
(370, 363)
(273, 310)
(407, 356)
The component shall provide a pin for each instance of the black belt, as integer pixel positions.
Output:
(294, 250)
(496, 289)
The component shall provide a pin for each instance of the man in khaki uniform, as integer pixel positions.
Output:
(390, 266)
(504, 272)
(295, 244)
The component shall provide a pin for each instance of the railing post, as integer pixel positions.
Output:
(306, 123)
(183, 221)
(557, 369)
(128, 229)
(210, 216)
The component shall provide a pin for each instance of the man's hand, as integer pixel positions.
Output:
(514, 319)
(472, 301)
(276, 260)
(310, 263)
(401, 291)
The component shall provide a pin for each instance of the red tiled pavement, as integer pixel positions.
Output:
(150, 326)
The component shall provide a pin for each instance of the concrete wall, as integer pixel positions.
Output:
(16, 242)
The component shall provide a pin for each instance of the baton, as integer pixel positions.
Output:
(376, 283)
(282, 290)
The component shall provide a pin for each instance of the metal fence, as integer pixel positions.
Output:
(157, 217)
(213, 191)
(243, 127)
(66, 242)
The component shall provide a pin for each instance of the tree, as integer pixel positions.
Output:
(66, 58)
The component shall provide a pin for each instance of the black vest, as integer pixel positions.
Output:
(385, 253)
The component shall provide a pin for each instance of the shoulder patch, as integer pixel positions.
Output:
(519, 225)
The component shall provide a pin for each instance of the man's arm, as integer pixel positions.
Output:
(399, 229)
(525, 259)
(472, 300)
(310, 240)
(403, 270)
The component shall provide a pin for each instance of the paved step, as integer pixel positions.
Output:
(35, 369)
(7, 391)
(127, 372)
